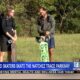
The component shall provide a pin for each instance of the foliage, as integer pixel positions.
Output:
(65, 12)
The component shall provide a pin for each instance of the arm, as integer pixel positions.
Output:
(52, 26)
(14, 29)
(52, 29)
(15, 36)
(9, 35)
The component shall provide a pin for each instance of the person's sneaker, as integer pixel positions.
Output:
(38, 39)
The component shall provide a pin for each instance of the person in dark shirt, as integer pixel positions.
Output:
(1, 17)
(9, 34)
(1, 38)
(46, 27)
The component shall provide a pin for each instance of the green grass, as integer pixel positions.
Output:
(67, 48)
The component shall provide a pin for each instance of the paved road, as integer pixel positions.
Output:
(40, 76)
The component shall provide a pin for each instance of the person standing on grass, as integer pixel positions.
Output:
(2, 50)
(46, 27)
(10, 36)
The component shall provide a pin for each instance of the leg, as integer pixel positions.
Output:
(51, 54)
(51, 48)
(1, 56)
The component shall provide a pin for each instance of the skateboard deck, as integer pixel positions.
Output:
(44, 55)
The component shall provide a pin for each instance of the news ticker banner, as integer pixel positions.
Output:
(55, 66)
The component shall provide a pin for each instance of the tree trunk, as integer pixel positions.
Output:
(61, 26)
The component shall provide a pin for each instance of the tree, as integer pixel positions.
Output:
(65, 10)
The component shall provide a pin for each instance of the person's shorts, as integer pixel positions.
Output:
(4, 46)
(51, 42)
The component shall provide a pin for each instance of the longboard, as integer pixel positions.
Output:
(44, 55)
(12, 55)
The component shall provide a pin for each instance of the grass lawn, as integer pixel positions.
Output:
(67, 48)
